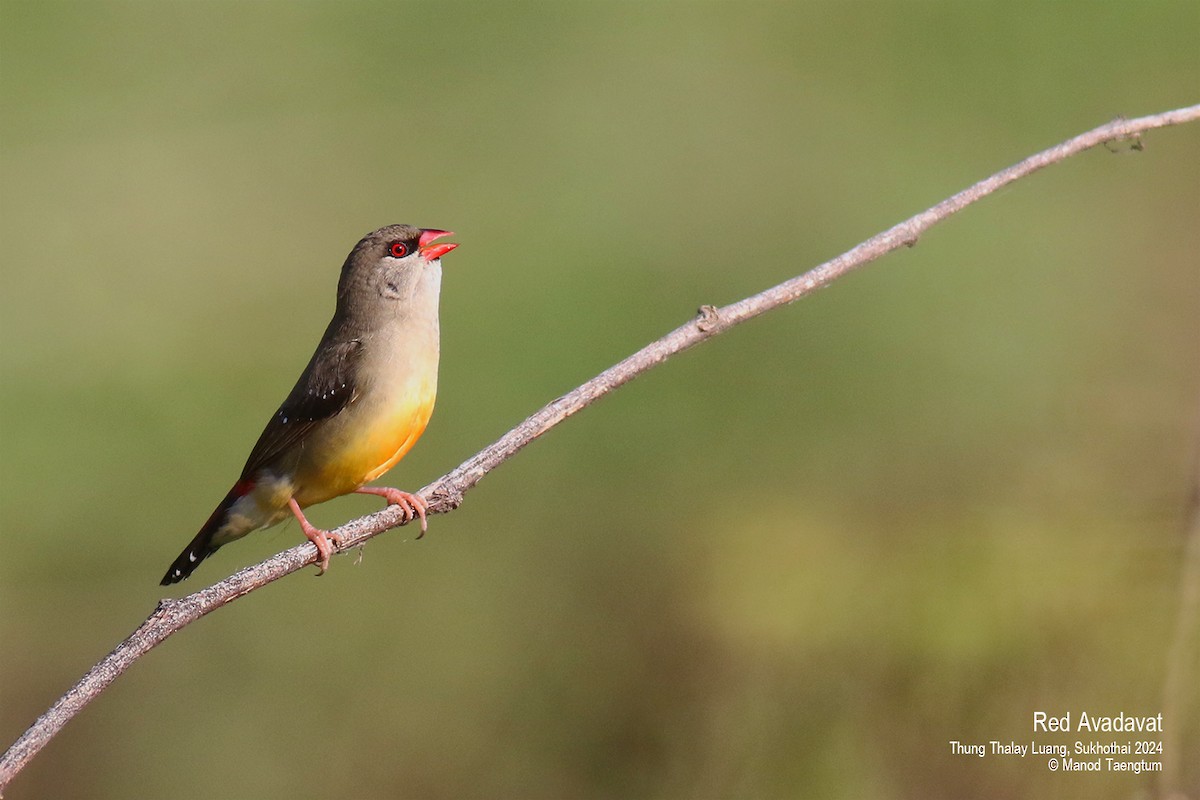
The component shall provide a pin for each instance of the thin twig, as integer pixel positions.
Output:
(446, 493)
(1179, 682)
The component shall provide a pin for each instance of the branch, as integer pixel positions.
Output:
(446, 493)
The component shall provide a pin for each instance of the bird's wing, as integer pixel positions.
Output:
(323, 391)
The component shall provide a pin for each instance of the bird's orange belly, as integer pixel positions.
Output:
(362, 451)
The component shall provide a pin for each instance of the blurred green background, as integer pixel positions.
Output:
(795, 562)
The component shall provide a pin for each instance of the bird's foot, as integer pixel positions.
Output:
(413, 505)
(325, 541)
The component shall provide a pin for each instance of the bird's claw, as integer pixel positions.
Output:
(413, 505)
(326, 543)
(321, 539)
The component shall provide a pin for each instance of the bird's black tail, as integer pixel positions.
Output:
(201, 547)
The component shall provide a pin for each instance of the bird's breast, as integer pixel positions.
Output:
(396, 388)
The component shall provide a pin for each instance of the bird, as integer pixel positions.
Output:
(364, 399)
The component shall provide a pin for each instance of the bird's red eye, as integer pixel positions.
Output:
(399, 249)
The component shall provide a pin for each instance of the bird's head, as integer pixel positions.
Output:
(398, 264)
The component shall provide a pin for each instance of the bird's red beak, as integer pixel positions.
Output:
(430, 251)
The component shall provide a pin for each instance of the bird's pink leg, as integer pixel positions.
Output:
(413, 504)
(317, 536)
